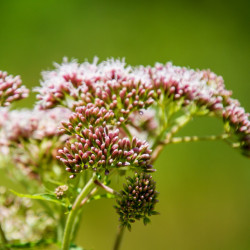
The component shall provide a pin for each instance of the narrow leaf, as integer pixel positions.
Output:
(47, 197)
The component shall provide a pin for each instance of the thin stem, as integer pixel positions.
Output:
(106, 188)
(88, 196)
(180, 124)
(79, 215)
(76, 224)
(119, 237)
(158, 146)
(197, 138)
(156, 152)
(73, 213)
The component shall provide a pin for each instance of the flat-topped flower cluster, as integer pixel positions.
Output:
(120, 91)
(99, 119)
(117, 86)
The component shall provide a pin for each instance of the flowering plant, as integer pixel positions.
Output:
(92, 122)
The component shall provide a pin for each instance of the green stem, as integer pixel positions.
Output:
(181, 122)
(106, 188)
(158, 145)
(73, 213)
(92, 192)
(197, 138)
(79, 216)
(119, 237)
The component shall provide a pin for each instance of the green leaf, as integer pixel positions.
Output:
(146, 220)
(129, 227)
(31, 245)
(154, 213)
(47, 197)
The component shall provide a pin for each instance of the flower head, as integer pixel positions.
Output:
(30, 139)
(237, 123)
(88, 115)
(204, 88)
(110, 85)
(60, 191)
(100, 149)
(32, 124)
(11, 89)
(137, 200)
(124, 89)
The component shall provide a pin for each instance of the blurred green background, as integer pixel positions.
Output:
(204, 187)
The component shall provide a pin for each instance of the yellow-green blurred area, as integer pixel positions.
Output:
(204, 187)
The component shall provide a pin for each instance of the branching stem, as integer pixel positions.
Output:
(106, 188)
(93, 191)
(197, 138)
(73, 213)
(158, 146)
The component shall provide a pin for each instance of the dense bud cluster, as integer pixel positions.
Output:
(101, 149)
(85, 116)
(237, 122)
(137, 200)
(11, 89)
(238, 119)
(20, 222)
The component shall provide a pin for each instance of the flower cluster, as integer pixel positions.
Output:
(109, 84)
(102, 119)
(20, 222)
(110, 95)
(204, 88)
(137, 200)
(85, 116)
(101, 149)
(61, 191)
(122, 89)
(31, 138)
(31, 124)
(11, 89)
(237, 122)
